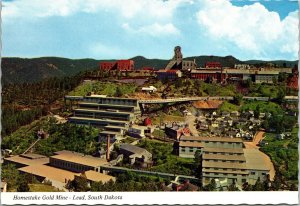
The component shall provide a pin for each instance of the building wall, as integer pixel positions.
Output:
(203, 76)
(106, 66)
(224, 144)
(167, 75)
(239, 179)
(71, 166)
(265, 78)
(255, 174)
(213, 65)
(125, 65)
(99, 115)
(188, 65)
(188, 152)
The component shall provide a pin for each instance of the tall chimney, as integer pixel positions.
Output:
(107, 147)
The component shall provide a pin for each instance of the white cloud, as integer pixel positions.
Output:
(154, 30)
(251, 28)
(157, 9)
(144, 15)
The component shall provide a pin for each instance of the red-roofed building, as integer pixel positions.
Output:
(213, 65)
(293, 81)
(106, 66)
(168, 74)
(120, 65)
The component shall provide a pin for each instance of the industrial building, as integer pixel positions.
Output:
(120, 65)
(135, 154)
(111, 114)
(76, 162)
(61, 167)
(225, 159)
(261, 75)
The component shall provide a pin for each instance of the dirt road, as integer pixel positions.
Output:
(257, 138)
(253, 145)
(190, 120)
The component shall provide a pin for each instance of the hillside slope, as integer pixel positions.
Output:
(20, 70)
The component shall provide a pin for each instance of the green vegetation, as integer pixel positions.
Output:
(164, 118)
(228, 107)
(269, 107)
(23, 103)
(284, 154)
(104, 88)
(195, 87)
(130, 182)
(42, 188)
(165, 161)
(61, 136)
(12, 118)
(20, 70)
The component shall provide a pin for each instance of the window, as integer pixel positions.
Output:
(243, 180)
(252, 173)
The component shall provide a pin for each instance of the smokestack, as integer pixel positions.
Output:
(107, 147)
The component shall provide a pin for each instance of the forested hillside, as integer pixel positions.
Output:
(21, 70)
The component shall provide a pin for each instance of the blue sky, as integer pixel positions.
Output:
(120, 29)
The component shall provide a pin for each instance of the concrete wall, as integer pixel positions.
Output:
(188, 152)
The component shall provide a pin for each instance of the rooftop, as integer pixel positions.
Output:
(211, 139)
(223, 157)
(97, 120)
(223, 150)
(229, 165)
(27, 161)
(132, 148)
(111, 105)
(97, 176)
(190, 144)
(255, 160)
(49, 172)
(79, 158)
(102, 111)
(224, 171)
(32, 156)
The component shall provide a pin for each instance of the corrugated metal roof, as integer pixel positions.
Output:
(212, 139)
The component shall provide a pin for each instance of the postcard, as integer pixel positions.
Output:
(149, 102)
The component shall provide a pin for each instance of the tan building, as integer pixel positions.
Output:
(76, 162)
(24, 160)
(224, 158)
(188, 65)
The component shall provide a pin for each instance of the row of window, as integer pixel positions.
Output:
(228, 169)
(224, 153)
(72, 166)
(214, 160)
(223, 174)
